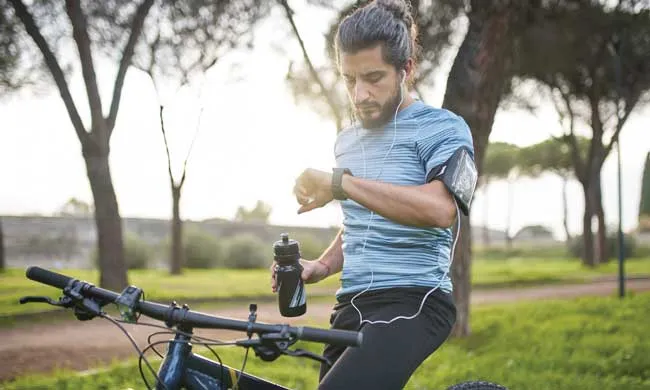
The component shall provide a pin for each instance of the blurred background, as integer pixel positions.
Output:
(142, 138)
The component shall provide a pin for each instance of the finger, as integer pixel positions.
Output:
(308, 207)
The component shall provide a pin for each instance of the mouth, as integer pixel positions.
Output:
(367, 110)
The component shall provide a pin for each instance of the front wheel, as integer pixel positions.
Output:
(476, 385)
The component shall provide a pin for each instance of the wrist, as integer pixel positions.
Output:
(338, 175)
(328, 271)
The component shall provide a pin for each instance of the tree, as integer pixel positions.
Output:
(582, 77)
(207, 41)
(176, 260)
(3, 260)
(553, 156)
(260, 213)
(116, 29)
(644, 202)
(477, 81)
(75, 208)
(501, 162)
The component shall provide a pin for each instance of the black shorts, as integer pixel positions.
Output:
(390, 352)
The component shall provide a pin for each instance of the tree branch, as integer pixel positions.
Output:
(330, 101)
(127, 54)
(50, 60)
(619, 125)
(82, 40)
(189, 151)
(169, 160)
(570, 137)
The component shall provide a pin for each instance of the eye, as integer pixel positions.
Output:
(374, 77)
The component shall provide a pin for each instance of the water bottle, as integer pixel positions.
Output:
(292, 298)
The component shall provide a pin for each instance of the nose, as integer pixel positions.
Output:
(361, 92)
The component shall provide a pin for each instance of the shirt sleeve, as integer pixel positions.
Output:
(438, 139)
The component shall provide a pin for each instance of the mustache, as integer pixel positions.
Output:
(366, 106)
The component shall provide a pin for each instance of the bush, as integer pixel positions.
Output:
(629, 245)
(310, 247)
(201, 250)
(137, 253)
(246, 251)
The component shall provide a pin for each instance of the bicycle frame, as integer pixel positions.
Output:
(183, 369)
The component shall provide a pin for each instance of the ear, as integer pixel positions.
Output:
(408, 69)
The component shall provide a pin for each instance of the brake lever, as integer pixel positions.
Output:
(33, 299)
(307, 354)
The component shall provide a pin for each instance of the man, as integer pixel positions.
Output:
(395, 181)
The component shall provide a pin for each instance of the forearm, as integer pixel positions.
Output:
(332, 257)
(424, 206)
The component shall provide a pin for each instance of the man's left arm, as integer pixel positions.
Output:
(427, 205)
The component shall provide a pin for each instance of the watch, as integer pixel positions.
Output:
(337, 187)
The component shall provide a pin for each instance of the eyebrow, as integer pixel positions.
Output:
(368, 74)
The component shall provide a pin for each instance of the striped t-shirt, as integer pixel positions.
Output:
(392, 254)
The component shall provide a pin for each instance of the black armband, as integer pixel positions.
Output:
(459, 175)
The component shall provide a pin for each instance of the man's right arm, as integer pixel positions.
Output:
(332, 257)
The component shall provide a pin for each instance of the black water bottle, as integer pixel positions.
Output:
(292, 298)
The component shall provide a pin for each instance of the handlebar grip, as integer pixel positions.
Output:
(331, 336)
(50, 278)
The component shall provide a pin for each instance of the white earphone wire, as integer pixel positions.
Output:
(365, 237)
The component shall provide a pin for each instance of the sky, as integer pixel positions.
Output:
(253, 141)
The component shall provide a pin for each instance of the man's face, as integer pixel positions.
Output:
(373, 86)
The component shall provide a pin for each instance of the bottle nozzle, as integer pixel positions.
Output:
(285, 238)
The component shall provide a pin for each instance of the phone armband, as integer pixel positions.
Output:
(460, 176)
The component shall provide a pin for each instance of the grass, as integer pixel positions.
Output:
(221, 284)
(587, 343)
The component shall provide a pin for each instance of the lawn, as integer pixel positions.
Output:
(587, 343)
(216, 284)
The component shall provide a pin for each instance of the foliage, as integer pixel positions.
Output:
(501, 159)
(201, 249)
(551, 155)
(76, 208)
(137, 253)
(629, 245)
(245, 251)
(259, 213)
(586, 343)
(310, 247)
(644, 203)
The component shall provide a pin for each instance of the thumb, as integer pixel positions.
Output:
(307, 271)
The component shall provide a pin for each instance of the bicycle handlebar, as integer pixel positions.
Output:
(196, 319)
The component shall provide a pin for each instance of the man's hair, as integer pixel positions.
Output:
(385, 22)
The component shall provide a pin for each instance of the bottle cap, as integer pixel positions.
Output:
(286, 246)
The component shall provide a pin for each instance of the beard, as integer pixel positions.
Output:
(386, 111)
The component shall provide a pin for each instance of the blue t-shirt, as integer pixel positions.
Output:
(396, 255)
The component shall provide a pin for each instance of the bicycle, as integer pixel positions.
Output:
(180, 367)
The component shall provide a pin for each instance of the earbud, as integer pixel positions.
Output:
(403, 76)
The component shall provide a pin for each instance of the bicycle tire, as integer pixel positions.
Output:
(477, 385)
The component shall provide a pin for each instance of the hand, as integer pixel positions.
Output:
(312, 271)
(313, 189)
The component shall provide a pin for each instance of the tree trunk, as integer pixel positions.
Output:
(508, 233)
(565, 209)
(588, 253)
(486, 233)
(112, 266)
(177, 231)
(3, 261)
(474, 88)
(601, 237)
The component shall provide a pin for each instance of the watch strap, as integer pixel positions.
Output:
(337, 185)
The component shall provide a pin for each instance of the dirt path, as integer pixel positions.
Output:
(80, 345)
